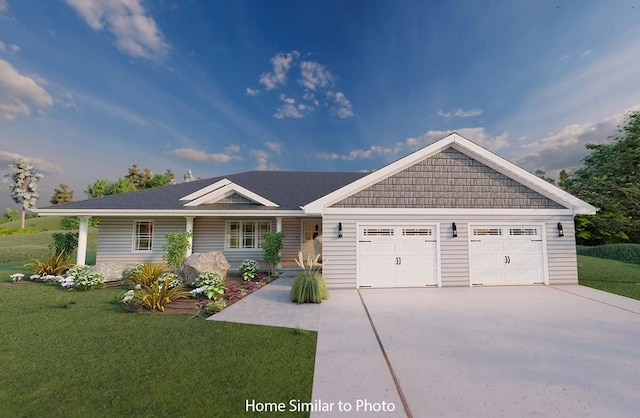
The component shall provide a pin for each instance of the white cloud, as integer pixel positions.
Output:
(19, 93)
(3, 5)
(290, 109)
(460, 113)
(136, 32)
(477, 135)
(232, 149)
(343, 108)
(274, 147)
(38, 163)
(286, 99)
(281, 64)
(262, 160)
(252, 92)
(565, 148)
(191, 154)
(314, 76)
(311, 98)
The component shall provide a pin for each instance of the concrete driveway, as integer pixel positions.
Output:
(565, 351)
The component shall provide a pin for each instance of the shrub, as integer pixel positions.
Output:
(83, 279)
(175, 248)
(627, 253)
(271, 249)
(210, 307)
(16, 277)
(64, 243)
(156, 296)
(146, 274)
(174, 279)
(309, 286)
(73, 223)
(209, 283)
(249, 269)
(17, 231)
(54, 265)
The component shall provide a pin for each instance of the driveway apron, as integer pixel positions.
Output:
(565, 351)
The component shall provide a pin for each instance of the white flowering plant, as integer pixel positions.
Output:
(16, 277)
(249, 269)
(210, 284)
(174, 280)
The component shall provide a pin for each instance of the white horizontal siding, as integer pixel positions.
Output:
(115, 239)
(340, 263)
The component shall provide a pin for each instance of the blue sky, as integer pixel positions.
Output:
(90, 87)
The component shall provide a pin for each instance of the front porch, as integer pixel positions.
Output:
(133, 240)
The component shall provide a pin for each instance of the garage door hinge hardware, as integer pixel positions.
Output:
(507, 259)
(536, 240)
(364, 241)
(475, 240)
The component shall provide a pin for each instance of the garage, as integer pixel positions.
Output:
(397, 256)
(506, 255)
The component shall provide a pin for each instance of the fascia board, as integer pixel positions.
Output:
(207, 189)
(227, 190)
(521, 175)
(170, 213)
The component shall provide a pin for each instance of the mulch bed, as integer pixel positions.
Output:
(190, 305)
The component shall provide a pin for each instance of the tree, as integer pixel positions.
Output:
(98, 189)
(10, 215)
(135, 176)
(123, 185)
(23, 183)
(188, 176)
(542, 175)
(157, 180)
(610, 180)
(62, 195)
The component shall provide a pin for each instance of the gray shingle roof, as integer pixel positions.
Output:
(289, 189)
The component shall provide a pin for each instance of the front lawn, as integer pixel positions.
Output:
(609, 275)
(73, 354)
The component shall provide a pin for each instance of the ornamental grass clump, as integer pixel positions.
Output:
(309, 286)
(145, 274)
(54, 265)
(157, 296)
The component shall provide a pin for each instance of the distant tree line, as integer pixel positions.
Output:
(608, 179)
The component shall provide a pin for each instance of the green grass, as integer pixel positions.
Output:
(627, 253)
(76, 354)
(609, 275)
(28, 246)
(41, 223)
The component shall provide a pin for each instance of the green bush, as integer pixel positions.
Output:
(249, 269)
(627, 253)
(73, 223)
(271, 249)
(309, 288)
(175, 248)
(146, 274)
(54, 265)
(64, 243)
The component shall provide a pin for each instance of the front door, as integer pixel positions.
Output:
(312, 239)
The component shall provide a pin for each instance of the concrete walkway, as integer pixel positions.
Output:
(272, 306)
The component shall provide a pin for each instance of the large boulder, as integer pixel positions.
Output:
(112, 271)
(196, 263)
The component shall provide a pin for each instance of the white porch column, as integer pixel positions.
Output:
(83, 230)
(190, 229)
(279, 229)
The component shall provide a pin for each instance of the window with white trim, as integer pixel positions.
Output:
(143, 236)
(246, 235)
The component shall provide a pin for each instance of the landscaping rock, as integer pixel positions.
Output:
(111, 271)
(196, 263)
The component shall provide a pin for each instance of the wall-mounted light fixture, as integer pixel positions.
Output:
(455, 229)
(339, 229)
(560, 230)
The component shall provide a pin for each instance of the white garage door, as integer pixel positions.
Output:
(397, 256)
(506, 255)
